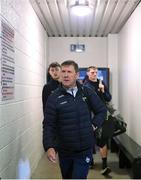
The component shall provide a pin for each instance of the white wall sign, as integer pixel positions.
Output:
(77, 47)
(7, 61)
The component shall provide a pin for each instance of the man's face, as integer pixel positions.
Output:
(92, 74)
(55, 72)
(69, 76)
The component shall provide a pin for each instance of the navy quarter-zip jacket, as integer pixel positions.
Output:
(67, 124)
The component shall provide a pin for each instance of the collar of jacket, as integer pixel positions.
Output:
(93, 81)
(54, 81)
(79, 86)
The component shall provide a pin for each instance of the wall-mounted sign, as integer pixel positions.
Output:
(77, 47)
(7, 61)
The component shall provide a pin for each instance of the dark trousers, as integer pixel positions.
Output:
(75, 166)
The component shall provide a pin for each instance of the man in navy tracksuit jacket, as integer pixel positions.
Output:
(53, 83)
(102, 91)
(67, 125)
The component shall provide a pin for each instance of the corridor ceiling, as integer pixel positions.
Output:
(108, 16)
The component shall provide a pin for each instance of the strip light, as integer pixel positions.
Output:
(81, 8)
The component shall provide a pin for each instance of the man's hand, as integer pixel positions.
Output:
(101, 86)
(51, 155)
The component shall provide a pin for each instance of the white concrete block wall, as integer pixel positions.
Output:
(113, 65)
(21, 118)
(95, 50)
(129, 71)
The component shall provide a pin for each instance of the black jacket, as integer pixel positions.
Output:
(47, 90)
(106, 96)
(68, 120)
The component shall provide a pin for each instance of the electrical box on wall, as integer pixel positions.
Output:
(77, 47)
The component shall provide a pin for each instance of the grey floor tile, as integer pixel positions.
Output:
(48, 170)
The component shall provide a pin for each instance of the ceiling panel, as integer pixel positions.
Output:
(129, 8)
(109, 9)
(64, 15)
(108, 16)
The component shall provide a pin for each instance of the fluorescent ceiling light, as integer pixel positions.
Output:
(81, 8)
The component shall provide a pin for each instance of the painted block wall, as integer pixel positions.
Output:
(21, 118)
(113, 65)
(129, 71)
(95, 50)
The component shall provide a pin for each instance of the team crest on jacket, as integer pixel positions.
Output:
(87, 160)
(84, 98)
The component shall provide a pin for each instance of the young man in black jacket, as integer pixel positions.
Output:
(53, 83)
(102, 91)
(67, 124)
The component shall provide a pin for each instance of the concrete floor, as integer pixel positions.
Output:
(48, 170)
